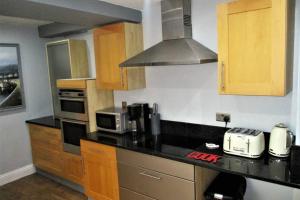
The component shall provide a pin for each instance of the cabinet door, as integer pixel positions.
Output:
(47, 160)
(73, 167)
(59, 67)
(109, 44)
(100, 171)
(46, 148)
(252, 47)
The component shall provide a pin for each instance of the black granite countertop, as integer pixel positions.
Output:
(180, 139)
(48, 121)
(176, 147)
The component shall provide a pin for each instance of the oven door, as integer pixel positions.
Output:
(73, 108)
(72, 132)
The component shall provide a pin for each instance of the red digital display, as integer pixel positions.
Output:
(204, 157)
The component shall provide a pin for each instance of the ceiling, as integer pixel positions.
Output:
(135, 4)
(21, 21)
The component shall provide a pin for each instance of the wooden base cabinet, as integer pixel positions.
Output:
(73, 168)
(114, 44)
(48, 154)
(46, 149)
(100, 171)
(254, 47)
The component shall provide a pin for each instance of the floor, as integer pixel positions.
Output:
(37, 187)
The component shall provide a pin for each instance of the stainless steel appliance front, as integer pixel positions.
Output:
(72, 132)
(73, 104)
(113, 120)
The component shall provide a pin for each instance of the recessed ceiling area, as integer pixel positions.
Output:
(69, 16)
(135, 4)
(21, 21)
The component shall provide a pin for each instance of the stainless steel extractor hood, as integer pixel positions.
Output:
(177, 47)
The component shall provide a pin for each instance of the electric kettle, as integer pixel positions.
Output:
(281, 140)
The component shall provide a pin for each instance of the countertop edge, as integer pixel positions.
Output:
(47, 121)
(198, 163)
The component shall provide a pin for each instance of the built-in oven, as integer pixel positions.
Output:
(72, 132)
(73, 104)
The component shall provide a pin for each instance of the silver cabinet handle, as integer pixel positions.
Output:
(72, 99)
(248, 145)
(150, 176)
(223, 76)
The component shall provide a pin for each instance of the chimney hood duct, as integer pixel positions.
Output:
(177, 47)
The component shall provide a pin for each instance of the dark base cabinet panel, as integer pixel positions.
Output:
(154, 184)
(130, 195)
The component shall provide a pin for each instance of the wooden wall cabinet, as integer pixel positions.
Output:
(48, 154)
(253, 42)
(100, 171)
(114, 44)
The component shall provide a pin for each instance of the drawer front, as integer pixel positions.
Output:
(155, 185)
(95, 148)
(50, 161)
(162, 165)
(130, 195)
(72, 167)
(49, 138)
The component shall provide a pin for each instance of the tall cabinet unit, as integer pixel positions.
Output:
(253, 47)
(114, 44)
(66, 59)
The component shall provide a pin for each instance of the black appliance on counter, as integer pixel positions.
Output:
(139, 118)
(226, 186)
(295, 163)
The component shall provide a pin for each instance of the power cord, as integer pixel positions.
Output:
(226, 120)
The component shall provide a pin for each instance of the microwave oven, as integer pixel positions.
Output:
(114, 120)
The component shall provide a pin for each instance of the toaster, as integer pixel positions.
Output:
(244, 142)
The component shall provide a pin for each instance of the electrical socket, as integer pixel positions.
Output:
(220, 117)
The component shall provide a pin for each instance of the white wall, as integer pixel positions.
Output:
(189, 93)
(184, 93)
(15, 149)
(296, 102)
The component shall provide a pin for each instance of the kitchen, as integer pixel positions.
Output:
(195, 101)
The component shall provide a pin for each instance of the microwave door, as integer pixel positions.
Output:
(72, 132)
(74, 108)
(106, 122)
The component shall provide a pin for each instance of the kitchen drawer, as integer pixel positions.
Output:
(130, 195)
(95, 148)
(48, 160)
(72, 167)
(154, 184)
(49, 138)
(166, 166)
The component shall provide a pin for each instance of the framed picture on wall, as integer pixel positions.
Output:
(11, 84)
